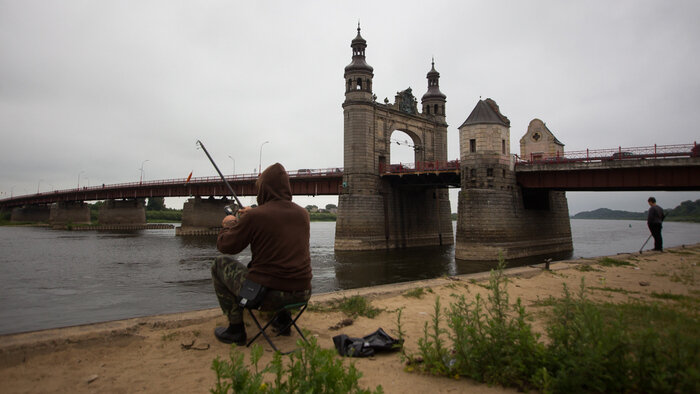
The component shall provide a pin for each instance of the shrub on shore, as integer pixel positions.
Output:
(309, 370)
(591, 347)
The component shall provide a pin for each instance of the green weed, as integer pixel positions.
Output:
(592, 347)
(310, 370)
(610, 262)
(418, 292)
(358, 306)
(587, 268)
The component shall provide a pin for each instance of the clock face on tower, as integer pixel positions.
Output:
(536, 136)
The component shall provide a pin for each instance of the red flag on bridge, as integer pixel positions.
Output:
(189, 177)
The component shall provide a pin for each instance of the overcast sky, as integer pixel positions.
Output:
(92, 89)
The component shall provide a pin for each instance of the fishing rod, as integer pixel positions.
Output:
(228, 209)
(644, 244)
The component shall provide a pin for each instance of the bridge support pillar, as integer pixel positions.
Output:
(497, 217)
(30, 213)
(202, 216)
(129, 211)
(74, 212)
(512, 225)
(399, 216)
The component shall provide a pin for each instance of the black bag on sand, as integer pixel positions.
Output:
(378, 341)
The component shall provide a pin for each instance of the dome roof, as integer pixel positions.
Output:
(433, 85)
(358, 63)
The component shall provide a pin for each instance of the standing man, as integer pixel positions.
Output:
(654, 219)
(277, 231)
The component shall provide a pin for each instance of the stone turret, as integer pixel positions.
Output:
(358, 74)
(433, 100)
(495, 216)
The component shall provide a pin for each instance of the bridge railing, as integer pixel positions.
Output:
(420, 166)
(301, 173)
(619, 153)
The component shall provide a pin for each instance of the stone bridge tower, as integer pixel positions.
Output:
(495, 215)
(374, 212)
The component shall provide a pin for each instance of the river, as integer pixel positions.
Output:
(52, 278)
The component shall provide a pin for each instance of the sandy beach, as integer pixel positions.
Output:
(173, 353)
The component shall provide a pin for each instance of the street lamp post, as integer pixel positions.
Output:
(141, 169)
(234, 164)
(260, 158)
(37, 186)
(79, 178)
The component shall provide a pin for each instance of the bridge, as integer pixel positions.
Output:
(311, 182)
(508, 205)
(657, 167)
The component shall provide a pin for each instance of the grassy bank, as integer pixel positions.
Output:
(588, 346)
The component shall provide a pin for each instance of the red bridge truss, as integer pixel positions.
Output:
(658, 167)
(312, 182)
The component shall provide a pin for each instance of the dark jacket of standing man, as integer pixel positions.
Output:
(278, 234)
(654, 219)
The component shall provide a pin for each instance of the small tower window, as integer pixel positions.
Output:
(359, 83)
(349, 84)
(427, 109)
(489, 172)
(503, 146)
(472, 172)
(435, 109)
(472, 145)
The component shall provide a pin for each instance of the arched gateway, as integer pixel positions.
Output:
(373, 212)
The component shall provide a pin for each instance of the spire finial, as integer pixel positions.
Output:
(433, 61)
(358, 26)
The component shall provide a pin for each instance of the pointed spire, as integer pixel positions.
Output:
(433, 84)
(358, 46)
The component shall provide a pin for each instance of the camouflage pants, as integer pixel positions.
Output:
(228, 275)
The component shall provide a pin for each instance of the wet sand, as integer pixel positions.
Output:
(151, 354)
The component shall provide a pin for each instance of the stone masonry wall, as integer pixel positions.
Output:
(372, 213)
(75, 212)
(202, 215)
(130, 211)
(30, 213)
(496, 221)
(494, 216)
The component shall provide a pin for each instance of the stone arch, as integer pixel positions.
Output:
(377, 209)
(414, 143)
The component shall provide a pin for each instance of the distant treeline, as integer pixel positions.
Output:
(687, 211)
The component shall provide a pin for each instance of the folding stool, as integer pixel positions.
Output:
(302, 307)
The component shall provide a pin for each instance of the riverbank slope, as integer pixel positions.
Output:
(151, 354)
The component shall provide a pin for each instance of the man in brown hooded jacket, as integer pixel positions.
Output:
(278, 234)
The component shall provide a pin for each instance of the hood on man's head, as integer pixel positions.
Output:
(273, 184)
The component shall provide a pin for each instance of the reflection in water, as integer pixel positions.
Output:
(368, 268)
(471, 267)
(198, 241)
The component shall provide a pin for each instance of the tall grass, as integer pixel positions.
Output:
(310, 370)
(591, 347)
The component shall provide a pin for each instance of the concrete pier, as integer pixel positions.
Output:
(75, 212)
(130, 211)
(30, 213)
(202, 216)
